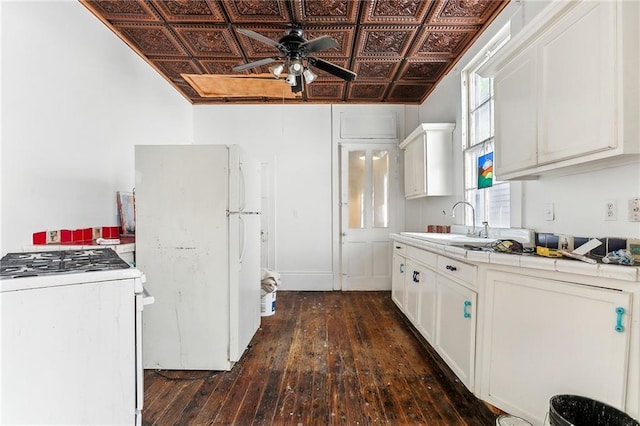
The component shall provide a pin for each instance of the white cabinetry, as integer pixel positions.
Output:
(566, 90)
(516, 124)
(428, 160)
(398, 273)
(545, 337)
(427, 299)
(456, 318)
(437, 296)
(413, 284)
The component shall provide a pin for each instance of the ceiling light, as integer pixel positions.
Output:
(276, 70)
(295, 67)
(291, 79)
(309, 76)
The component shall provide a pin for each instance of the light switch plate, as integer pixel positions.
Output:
(548, 211)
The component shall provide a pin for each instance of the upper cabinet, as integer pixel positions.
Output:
(567, 90)
(428, 160)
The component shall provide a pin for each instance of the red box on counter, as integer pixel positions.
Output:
(40, 237)
(76, 235)
(66, 236)
(84, 235)
(110, 231)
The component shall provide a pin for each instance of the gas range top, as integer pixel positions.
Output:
(31, 264)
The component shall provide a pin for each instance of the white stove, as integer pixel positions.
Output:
(20, 265)
(71, 338)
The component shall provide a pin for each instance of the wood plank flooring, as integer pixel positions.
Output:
(324, 358)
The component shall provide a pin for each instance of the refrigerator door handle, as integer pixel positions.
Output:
(243, 240)
(242, 190)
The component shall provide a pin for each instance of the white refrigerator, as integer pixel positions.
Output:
(198, 243)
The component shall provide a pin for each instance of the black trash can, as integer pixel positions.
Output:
(575, 410)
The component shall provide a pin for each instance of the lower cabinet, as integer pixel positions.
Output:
(397, 276)
(413, 282)
(544, 337)
(438, 305)
(426, 321)
(456, 328)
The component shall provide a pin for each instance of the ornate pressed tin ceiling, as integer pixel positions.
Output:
(399, 49)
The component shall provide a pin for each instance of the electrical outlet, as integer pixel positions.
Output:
(610, 210)
(565, 242)
(634, 210)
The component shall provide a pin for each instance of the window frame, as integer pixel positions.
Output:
(515, 188)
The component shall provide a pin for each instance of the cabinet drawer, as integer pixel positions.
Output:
(425, 257)
(455, 268)
(399, 248)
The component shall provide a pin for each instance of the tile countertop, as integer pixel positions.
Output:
(571, 266)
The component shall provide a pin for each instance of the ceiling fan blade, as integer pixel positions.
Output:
(334, 69)
(318, 44)
(254, 64)
(260, 37)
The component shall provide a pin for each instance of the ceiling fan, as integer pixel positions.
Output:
(294, 54)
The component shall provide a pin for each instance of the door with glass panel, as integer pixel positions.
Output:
(370, 196)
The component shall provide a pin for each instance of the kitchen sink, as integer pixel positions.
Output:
(450, 239)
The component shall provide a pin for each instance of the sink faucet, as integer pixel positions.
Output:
(485, 231)
(473, 215)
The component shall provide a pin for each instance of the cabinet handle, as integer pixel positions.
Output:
(402, 268)
(451, 268)
(465, 312)
(416, 277)
(619, 313)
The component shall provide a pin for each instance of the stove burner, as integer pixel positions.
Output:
(18, 265)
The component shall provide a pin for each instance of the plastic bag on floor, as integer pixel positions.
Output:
(270, 280)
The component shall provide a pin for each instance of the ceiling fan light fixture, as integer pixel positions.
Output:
(291, 79)
(309, 76)
(295, 67)
(276, 70)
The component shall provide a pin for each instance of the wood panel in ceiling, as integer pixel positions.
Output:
(399, 49)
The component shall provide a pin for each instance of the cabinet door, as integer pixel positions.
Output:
(578, 90)
(515, 91)
(415, 276)
(398, 280)
(427, 304)
(544, 338)
(456, 328)
(415, 181)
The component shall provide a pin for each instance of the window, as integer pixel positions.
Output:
(492, 204)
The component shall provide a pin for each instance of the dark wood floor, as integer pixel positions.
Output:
(323, 358)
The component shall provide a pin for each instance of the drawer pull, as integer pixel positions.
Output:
(619, 313)
(416, 277)
(398, 247)
(451, 268)
(465, 312)
(402, 268)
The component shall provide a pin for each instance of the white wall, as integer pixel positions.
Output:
(579, 200)
(75, 101)
(295, 140)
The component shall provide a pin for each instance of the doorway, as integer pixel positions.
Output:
(370, 196)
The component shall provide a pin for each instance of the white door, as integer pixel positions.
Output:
(370, 196)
